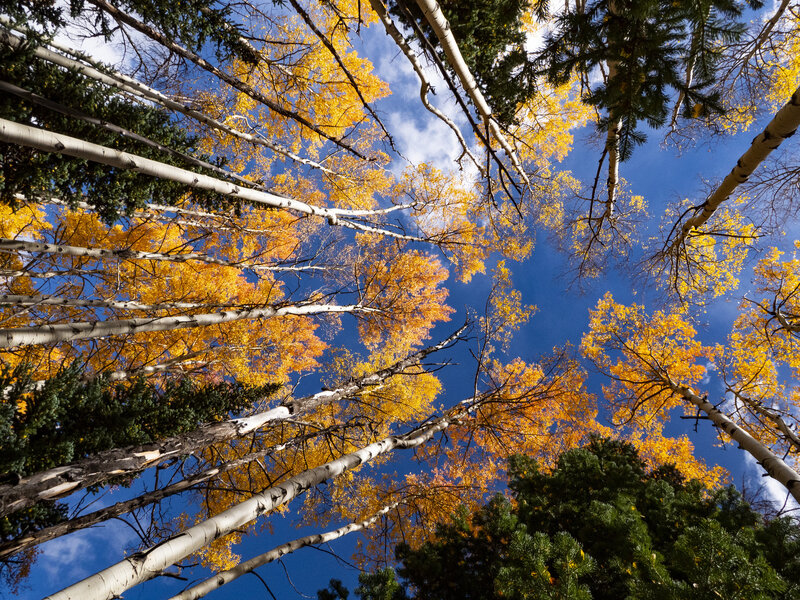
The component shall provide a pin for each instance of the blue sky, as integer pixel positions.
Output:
(657, 173)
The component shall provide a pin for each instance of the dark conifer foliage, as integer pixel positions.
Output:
(191, 23)
(492, 42)
(113, 192)
(651, 43)
(69, 418)
(600, 526)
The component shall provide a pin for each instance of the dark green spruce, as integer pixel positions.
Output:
(113, 192)
(70, 418)
(651, 42)
(601, 526)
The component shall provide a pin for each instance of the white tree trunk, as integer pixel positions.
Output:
(220, 579)
(86, 330)
(15, 133)
(142, 566)
(123, 462)
(436, 19)
(123, 253)
(425, 86)
(782, 126)
(22, 300)
(133, 86)
(772, 464)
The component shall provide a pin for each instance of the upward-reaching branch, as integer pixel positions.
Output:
(142, 566)
(234, 82)
(125, 462)
(436, 19)
(782, 126)
(135, 87)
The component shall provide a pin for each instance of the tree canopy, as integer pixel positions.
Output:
(600, 525)
(309, 259)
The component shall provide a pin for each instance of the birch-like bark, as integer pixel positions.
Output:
(145, 565)
(15, 133)
(769, 461)
(49, 300)
(88, 330)
(436, 19)
(234, 82)
(7, 245)
(425, 86)
(782, 126)
(125, 462)
(52, 274)
(220, 579)
(612, 137)
(11, 547)
(127, 133)
(133, 86)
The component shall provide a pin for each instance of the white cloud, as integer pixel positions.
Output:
(431, 142)
(72, 557)
(773, 490)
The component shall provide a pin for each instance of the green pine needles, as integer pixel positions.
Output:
(600, 526)
(652, 45)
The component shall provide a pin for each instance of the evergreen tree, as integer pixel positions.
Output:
(35, 174)
(492, 41)
(601, 526)
(68, 418)
(191, 23)
(650, 44)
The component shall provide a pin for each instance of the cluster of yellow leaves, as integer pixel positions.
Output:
(255, 355)
(300, 75)
(642, 354)
(708, 265)
(546, 124)
(761, 363)
(505, 312)
(404, 290)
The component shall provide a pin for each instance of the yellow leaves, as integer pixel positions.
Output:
(643, 355)
(405, 291)
(546, 123)
(708, 265)
(505, 311)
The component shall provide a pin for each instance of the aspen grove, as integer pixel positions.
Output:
(283, 260)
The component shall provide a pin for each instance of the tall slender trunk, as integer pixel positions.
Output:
(11, 547)
(436, 19)
(380, 9)
(130, 85)
(126, 133)
(145, 565)
(87, 330)
(220, 579)
(125, 462)
(612, 137)
(231, 80)
(772, 464)
(49, 300)
(7, 245)
(15, 133)
(782, 126)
